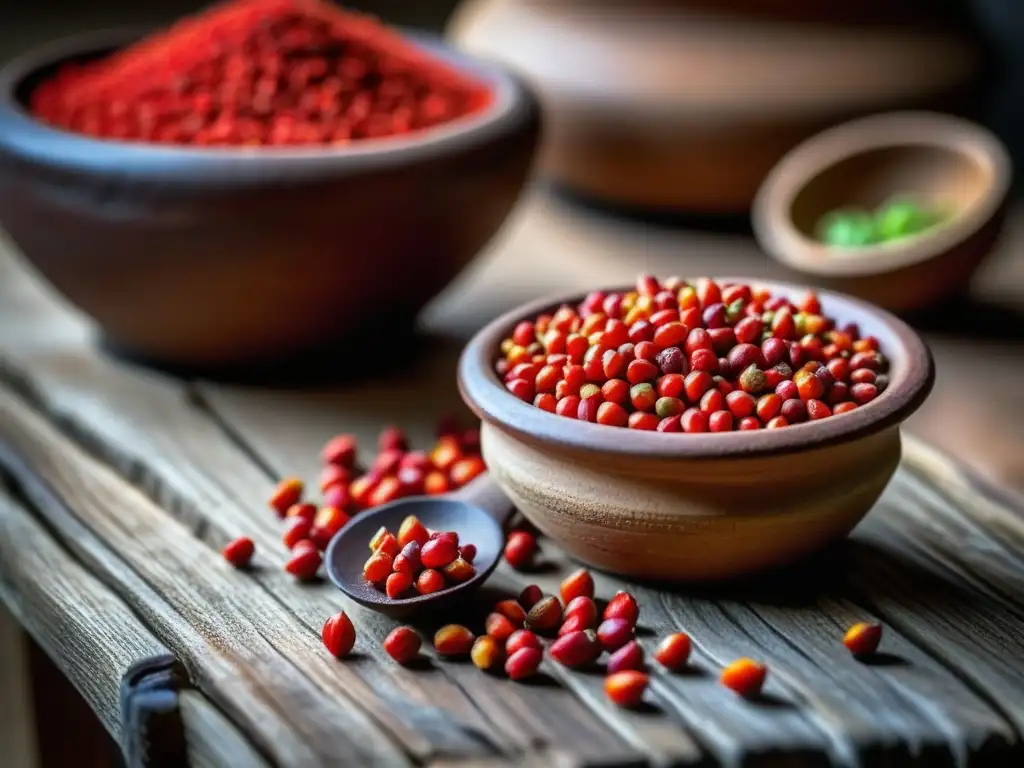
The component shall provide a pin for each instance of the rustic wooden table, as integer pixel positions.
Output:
(121, 484)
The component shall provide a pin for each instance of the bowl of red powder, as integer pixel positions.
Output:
(265, 178)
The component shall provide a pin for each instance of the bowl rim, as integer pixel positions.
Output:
(787, 244)
(24, 136)
(482, 391)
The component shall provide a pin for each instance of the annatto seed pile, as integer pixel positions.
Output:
(417, 559)
(261, 73)
(677, 356)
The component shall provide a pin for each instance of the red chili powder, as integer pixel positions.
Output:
(261, 73)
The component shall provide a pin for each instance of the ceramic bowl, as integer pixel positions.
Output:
(694, 507)
(212, 255)
(941, 160)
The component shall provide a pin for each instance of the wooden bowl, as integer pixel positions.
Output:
(686, 106)
(940, 159)
(692, 507)
(201, 256)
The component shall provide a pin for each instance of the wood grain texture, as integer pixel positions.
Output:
(140, 477)
(17, 725)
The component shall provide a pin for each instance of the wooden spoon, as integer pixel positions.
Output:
(478, 513)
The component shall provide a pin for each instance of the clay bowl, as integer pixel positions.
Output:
(696, 507)
(217, 256)
(940, 159)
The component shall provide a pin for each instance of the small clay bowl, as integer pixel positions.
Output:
(941, 160)
(217, 256)
(696, 507)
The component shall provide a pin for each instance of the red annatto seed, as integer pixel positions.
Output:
(643, 421)
(522, 638)
(304, 562)
(863, 376)
(673, 651)
(722, 340)
(340, 450)
(787, 390)
(338, 635)
(387, 490)
(575, 623)
(453, 640)
(643, 397)
(438, 553)
(696, 384)
(745, 677)
(774, 351)
(612, 415)
(239, 551)
(666, 407)
(377, 568)
(614, 633)
(568, 406)
(740, 404)
(794, 411)
(458, 571)
(332, 475)
(397, 584)
(403, 644)
(523, 663)
(768, 407)
(694, 420)
(622, 606)
(576, 649)
(704, 360)
(817, 410)
(468, 552)
(712, 400)
(546, 402)
(337, 496)
(626, 688)
(384, 541)
(305, 512)
(748, 330)
(863, 393)
(720, 421)
(841, 408)
(862, 639)
(615, 391)
(671, 424)
(392, 438)
(529, 597)
(287, 493)
(466, 470)
(499, 627)
(579, 583)
(297, 529)
(429, 581)
(640, 371)
(520, 548)
(435, 483)
(748, 424)
(670, 385)
(777, 423)
(629, 656)
(838, 393)
(408, 560)
(588, 408)
(545, 616)
(521, 388)
(512, 610)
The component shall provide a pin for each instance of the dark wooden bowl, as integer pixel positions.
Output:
(219, 256)
(941, 159)
(691, 507)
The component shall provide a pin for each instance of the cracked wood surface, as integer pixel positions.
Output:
(130, 481)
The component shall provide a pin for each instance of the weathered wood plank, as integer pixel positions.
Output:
(216, 620)
(17, 726)
(213, 741)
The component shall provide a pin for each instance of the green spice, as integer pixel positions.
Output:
(898, 218)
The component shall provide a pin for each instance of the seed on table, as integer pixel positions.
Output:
(614, 633)
(408, 560)
(584, 607)
(520, 549)
(378, 568)
(745, 677)
(465, 470)
(332, 475)
(239, 551)
(529, 597)
(437, 553)
(499, 627)
(392, 438)
(397, 584)
(302, 511)
(412, 530)
(579, 583)
(429, 581)
(458, 571)
(622, 606)
(511, 610)
(862, 638)
(522, 638)
(486, 653)
(626, 688)
(387, 490)
(629, 656)
(673, 651)
(546, 615)
(403, 644)
(453, 640)
(329, 520)
(287, 492)
(304, 562)
(337, 496)
(523, 663)
(575, 623)
(338, 635)
(297, 529)
(576, 649)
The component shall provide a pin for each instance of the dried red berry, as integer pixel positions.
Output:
(520, 549)
(429, 581)
(339, 635)
(458, 571)
(576, 649)
(486, 653)
(545, 616)
(453, 640)
(499, 627)
(340, 450)
(530, 596)
(583, 607)
(412, 530)
(437, 553)
(622, 606)
(397, 584)
(579, 583)
(522, 638)
(304, 562)
(305, 512)
(239, 551)
(287, 492)
(377, 568)
(511, 610)
(745, 677)
(297, 529)
(403, 644)
(408, 560)
(674, 651)
(523, 663)
(862, 639)
(626, 688)
(468, 552)
(629, 656)
(614, 633)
